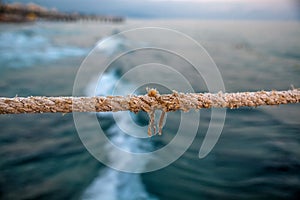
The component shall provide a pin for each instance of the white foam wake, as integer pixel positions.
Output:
(24, 48)
(112, 184)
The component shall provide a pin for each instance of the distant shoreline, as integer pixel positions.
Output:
(20, 13)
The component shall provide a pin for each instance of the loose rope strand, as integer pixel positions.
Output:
(161, 121)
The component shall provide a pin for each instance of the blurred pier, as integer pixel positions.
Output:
(31, 12)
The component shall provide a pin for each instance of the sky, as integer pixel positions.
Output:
(195, 9)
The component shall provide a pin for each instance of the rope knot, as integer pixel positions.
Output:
(152, 126)
(152, 92)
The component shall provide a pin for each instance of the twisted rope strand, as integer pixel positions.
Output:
(148, 103)
(151, 101)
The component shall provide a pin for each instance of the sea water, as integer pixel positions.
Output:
(256, 157)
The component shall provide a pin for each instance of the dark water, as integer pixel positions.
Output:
(256, 157)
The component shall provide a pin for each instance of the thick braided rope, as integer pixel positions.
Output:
(148, 103)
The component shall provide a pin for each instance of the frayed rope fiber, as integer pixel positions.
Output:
(148, 103)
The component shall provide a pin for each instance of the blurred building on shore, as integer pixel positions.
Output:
(18, 13)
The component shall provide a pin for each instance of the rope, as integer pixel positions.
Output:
(148, 103)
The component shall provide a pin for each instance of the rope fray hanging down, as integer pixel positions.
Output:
(149, 103)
